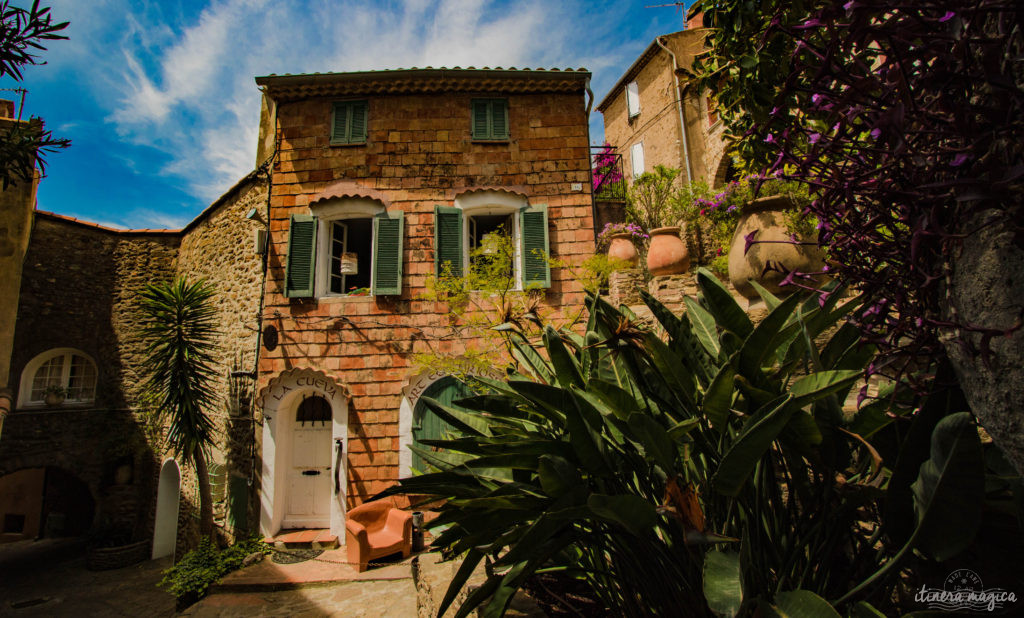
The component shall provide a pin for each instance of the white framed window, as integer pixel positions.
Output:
(461, 229)
(636, 156)
(633, 99)
(346, 247)
(345, 243)
(71, 370)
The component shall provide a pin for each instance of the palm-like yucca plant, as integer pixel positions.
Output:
(707, 469)
(180, 329)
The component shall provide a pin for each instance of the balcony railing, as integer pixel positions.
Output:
(609, 181)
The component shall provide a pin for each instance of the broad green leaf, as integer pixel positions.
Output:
(718, 397)
(472, 424)
(567, 369)
(657, 445)
(741, 458)
(557, 475)
(703, 325)
(631, 512)
(473, 558)
(898, 515)
(722, 587)
(770, 300)
(812, 387)
(722, 305)
(950, 490)
(798, 604)
(758, 344)
(866, 610)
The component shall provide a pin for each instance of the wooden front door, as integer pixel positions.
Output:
(309, 475)
(428, 426)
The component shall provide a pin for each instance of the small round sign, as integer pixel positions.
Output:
(270, 337)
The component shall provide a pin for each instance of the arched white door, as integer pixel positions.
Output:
(168, 493)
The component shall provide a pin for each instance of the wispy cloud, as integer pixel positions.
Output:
(182, 83)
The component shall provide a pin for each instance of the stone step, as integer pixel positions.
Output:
(304, 539)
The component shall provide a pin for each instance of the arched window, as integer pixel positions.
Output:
(69, 370)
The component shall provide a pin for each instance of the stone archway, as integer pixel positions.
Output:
(165, 528)
(279, 402)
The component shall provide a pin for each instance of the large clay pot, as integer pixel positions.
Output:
(766, 216)
(667, 254)
(621, 246)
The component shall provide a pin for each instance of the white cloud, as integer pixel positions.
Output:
(184, 83)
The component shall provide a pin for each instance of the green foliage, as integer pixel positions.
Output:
(593, 458)
(24, 145)
(205, 565)
(653, 199)
(180, 330)
(711, 468)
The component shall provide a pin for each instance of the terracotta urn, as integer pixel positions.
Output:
(621, 246)
(667, 254)
(766, 216)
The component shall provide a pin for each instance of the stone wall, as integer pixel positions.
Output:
(80, 289)
(219, 247)
(418, 154)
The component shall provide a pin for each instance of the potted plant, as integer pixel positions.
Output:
(620, 240)
(653, 203)
(54, 395)
(758, 232)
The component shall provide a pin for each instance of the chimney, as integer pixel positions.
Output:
(6, 108)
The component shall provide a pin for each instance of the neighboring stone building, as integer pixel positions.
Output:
(380, 179)
(646, 109)
(91, 463)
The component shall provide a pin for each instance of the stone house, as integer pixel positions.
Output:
(381, 179)
(654, 115)
(367, 184)
(93, 463)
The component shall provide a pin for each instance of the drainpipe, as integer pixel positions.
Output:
(679, 108)
(590, 163)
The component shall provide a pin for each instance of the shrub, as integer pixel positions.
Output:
(205, 565)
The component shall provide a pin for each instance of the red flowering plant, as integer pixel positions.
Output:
(607, 174)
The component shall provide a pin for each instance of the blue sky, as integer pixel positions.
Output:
(159, 101)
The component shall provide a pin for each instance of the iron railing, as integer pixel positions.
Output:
(609, 181)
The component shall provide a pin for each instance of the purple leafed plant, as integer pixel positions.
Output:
(905, 121)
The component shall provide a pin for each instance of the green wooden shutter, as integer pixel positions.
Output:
(387, 259)
(481, 126)
(340, 124)
(357, 133)
(447, 239)
(300, 262)
(499, 119)
(533, 230)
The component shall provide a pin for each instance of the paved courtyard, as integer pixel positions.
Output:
(49, 578)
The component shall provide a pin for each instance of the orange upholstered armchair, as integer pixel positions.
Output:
(377, 529)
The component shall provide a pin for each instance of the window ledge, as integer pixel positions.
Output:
(346, 298)
(478, 140)
(346, 144)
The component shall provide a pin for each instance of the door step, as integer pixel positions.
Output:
(304, 539)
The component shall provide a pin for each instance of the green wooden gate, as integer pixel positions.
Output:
(428, 426)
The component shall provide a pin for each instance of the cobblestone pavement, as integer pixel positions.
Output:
(365, 599)
(49, 578)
